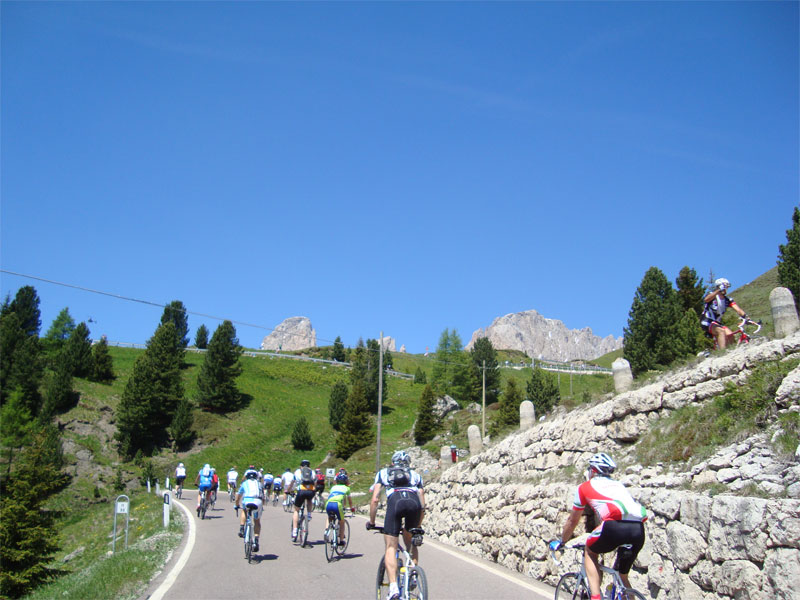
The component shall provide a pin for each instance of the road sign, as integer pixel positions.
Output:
(330, 473)
(122, 507)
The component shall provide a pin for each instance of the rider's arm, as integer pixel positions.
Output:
(373, 503)
(569, 526)
(711, 295)
(421, 494)
(738, 310)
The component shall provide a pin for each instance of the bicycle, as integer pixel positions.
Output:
(178, 490)
(302, 527)
(411, 579)
(331, 537)
(276, 498)
(231, 492)
(741, 335)
(289, 503)
(317, 504)
(575, 584)
(201, 510)
(249, 532)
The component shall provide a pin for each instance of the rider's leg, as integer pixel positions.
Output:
(390, 559)
(414, 550)
(592, 571)
(257, 526)
(721, 334)
(295, 517)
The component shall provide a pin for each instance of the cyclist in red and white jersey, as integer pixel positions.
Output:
(621, 521)
(716, 303)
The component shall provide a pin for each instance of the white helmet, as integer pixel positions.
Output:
(401, 458)
(602, 463)
(180, 464)
(722, 283)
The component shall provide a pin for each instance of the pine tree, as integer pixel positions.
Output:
(78, 352)
(60, 329)
(356, 429)
(425, 425)
(508, 413)
(181, 429)
(28, 541)
(16, 426)
(651, 337)
(21, 363)
(301, 435)
(483, 351)
(336, 404)
(216, 382)
(26, 307)
(338, 350)
(103, 363)
(201, 337)
(175, 313)
(450, 368)
(152, 394)
(542, 390)
(59, 395)
(420, 377)
(690, 337)
(691, 291)
(789, 258)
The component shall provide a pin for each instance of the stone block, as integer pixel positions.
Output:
(784, 312)
(686, 545)
(782, 571)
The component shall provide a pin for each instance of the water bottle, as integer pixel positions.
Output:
(609, 593)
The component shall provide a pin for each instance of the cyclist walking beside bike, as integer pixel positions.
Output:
(716, 303)
(249, 497)
(405, 506)
(304, 481)
(621, 522)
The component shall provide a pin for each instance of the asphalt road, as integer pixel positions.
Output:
(210, 564)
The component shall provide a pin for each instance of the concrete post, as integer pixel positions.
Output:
(445, 458)
(623, 378)
(474, 437)
(527, 415)
(784, 312)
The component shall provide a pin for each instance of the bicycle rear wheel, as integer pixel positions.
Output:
(203, 508)
(381, 581)
(331, 539)
(248, 543)
(304, 532)
(418, 586)
(571, 587)
(340, 550)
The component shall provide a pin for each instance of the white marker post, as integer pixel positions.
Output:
(167, 507)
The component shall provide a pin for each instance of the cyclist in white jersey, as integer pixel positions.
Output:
(180, 475)
(287, 481)
(233, 477)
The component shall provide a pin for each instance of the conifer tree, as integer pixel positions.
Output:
(690, 337)
(201, 337)
(152, 394)
(425, 425)
(216, 382)
(181, 429)
(78, 352)
(175, 313)
(420, 377)
(450, 368)
(483, 351)
(651, 337)
(16, 426)
(691, 291)
(26, 307)
(508, 414)
(542, 390)
(336, 404)
(358, 364)
(21, 364)
(789, 258)
(59, 395)
(301, 435)
(338, 350)
(60, 329)
(356, 429)
(28, 540)
(103, 370)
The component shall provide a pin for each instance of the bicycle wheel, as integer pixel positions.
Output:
(418, 586)
(248, 543)
(331, 539)
(571, 587)
(340, 550)
(381, 581)
(203, 508)
(304, 532)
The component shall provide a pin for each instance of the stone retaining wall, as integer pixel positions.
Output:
(507, 502)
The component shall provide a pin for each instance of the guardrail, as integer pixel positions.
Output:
(559, 367)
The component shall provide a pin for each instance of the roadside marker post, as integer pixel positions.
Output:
(121, 507)
(167, 507)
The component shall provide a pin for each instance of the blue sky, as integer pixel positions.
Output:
(395, 167)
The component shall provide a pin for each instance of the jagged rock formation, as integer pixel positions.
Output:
(507, 502)
(295, 333)
(547, 339)
(389, 344)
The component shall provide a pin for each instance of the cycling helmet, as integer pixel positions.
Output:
(602, 463)
(401, 458)
(305, 463)
(251, 474)
(213, 470)
(180, 464)
(722, 283)
(206, 466)
(342, 478)
(319, 470)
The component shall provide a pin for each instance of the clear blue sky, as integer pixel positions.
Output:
(403, 167)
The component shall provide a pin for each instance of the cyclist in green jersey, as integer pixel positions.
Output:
(335, 505)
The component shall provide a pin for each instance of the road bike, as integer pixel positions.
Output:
(201, 510)
(289, 503)
(575, 584)
(411, 579)
(249, 532)
(332, 546)
(276, 498)
(318, 503)
(302, 527)
(741, 335)
(231, 492)
(178, 490)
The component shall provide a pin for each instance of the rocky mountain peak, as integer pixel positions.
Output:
(294, 333)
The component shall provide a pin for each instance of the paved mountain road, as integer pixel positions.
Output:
(216, 567)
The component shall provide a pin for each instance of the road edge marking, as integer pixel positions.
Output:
(169, 580)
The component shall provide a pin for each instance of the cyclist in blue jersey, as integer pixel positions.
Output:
(204, 481)
(277, 485)
(249, 496)
(268, 479)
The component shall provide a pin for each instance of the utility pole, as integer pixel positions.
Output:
(380, 403)
(483, 403)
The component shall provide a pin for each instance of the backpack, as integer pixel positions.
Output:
(306, 476)
(398, 476)
(320, 478)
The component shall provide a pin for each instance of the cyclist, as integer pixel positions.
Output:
(180, 476)
(716, 303)
(288, 481)
(335, 505)
(268, 479)
(319, 482)
(303, 481)
(277, 484)
(405, 506)
(621, 521)
(233, 477)
(214, 486)
(249, 495)
(204, 480)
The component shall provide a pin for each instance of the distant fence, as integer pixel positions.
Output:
(559, 367)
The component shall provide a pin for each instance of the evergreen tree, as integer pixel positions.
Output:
(26, 307)
(338, 350)
(152, 394)
(181, 429)
(508, 413)
(358, 364)
(301, 435)
(789, 258)
(420, 377)
(59, 395)
(336, 404)
(28, 540)
(425, 426)
(216, 382)
(103, 363)
(450, 369)
(373, 375)
(691, 291)
(690, 336)
(542, 390)
(21, 364)
(60, 329)
(78, 352)
(175, 313)
(201, 337)
(651, 337)
(356, 429)
(483, 350)
(16, 426)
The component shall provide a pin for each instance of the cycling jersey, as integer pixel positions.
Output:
(268, 479)
(713, 311)
(233, 475)
(277, 484)
(383, 478)
(336, 499)
(180, 472)
(205, 479)
(287, 478)
(251, 494)
(609, 499)
(298, 481)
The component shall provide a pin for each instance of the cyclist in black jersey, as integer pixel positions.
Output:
(716, 303)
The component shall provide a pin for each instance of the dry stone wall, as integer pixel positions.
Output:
(507, 502)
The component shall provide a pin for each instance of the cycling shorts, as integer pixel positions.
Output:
(334, 508)
(204, 487)
(256, 502)
(403, 511)
(627, 536)
(180, 479)
(267, 486)
(231, 483)
(302, 496)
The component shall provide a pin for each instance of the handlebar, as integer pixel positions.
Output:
(572, 546)
(744, 322)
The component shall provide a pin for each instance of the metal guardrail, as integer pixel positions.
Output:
(559, 367)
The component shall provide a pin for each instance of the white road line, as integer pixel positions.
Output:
(187, 551)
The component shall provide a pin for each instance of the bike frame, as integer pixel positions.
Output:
(618, 589)
(406, 568)
(740, 335)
